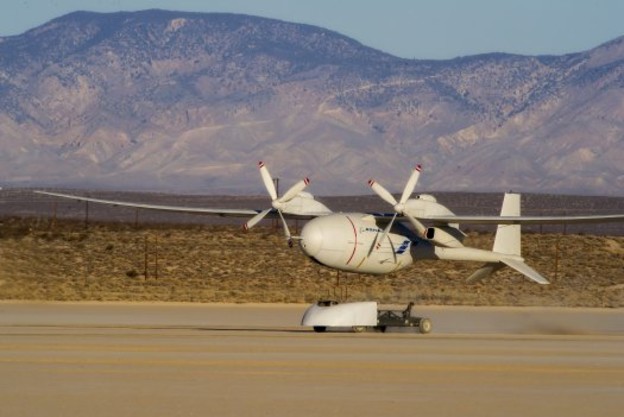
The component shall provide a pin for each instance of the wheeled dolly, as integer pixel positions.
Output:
(361, 316)
(402, 318)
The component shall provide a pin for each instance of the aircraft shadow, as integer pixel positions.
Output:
(253, 329)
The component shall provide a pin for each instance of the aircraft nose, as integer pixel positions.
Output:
(311, 238)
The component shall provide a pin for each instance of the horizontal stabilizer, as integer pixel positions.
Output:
(484, 272)
(526, 270)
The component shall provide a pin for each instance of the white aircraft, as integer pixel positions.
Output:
(355, 242)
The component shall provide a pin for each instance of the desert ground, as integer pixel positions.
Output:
(175, 359)
(65, 260)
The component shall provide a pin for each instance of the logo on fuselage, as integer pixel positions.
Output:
(370, 229)
(404, 246)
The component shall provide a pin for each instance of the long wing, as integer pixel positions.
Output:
(224, 212)
(221, 212)
(525, 219)
(383, 217)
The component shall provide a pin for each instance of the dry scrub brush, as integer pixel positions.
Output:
(113, 262)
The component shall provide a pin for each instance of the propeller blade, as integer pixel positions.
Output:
(382, 192)
(420, 228)
(294, 190)
(385, 233)
(399, 207)
(373, 246)
(411, 184)
(286, 229)
(255, 219)
(268, 180)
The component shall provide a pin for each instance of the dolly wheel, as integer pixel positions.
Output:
(320, 329)
(425, 326)
(358, 329)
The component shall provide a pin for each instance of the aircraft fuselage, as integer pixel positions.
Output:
(349, 242)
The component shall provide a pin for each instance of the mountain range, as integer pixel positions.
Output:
(189, 102)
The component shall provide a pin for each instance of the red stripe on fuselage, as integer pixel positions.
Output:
(354, 240)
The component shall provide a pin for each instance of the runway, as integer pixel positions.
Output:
(60, 359)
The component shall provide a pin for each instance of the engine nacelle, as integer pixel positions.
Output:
(305, 204)
(447, 237)
(426, 197)
(426, 205)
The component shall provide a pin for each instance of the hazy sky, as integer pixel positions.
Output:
(435, 29)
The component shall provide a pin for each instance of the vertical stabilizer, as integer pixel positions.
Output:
(507, 246)
(508, 236)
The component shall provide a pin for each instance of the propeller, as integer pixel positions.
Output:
(399, 206)
(277, 203)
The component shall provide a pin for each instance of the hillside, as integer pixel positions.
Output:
(189, 102)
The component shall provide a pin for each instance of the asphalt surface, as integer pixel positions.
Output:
(61, 359)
